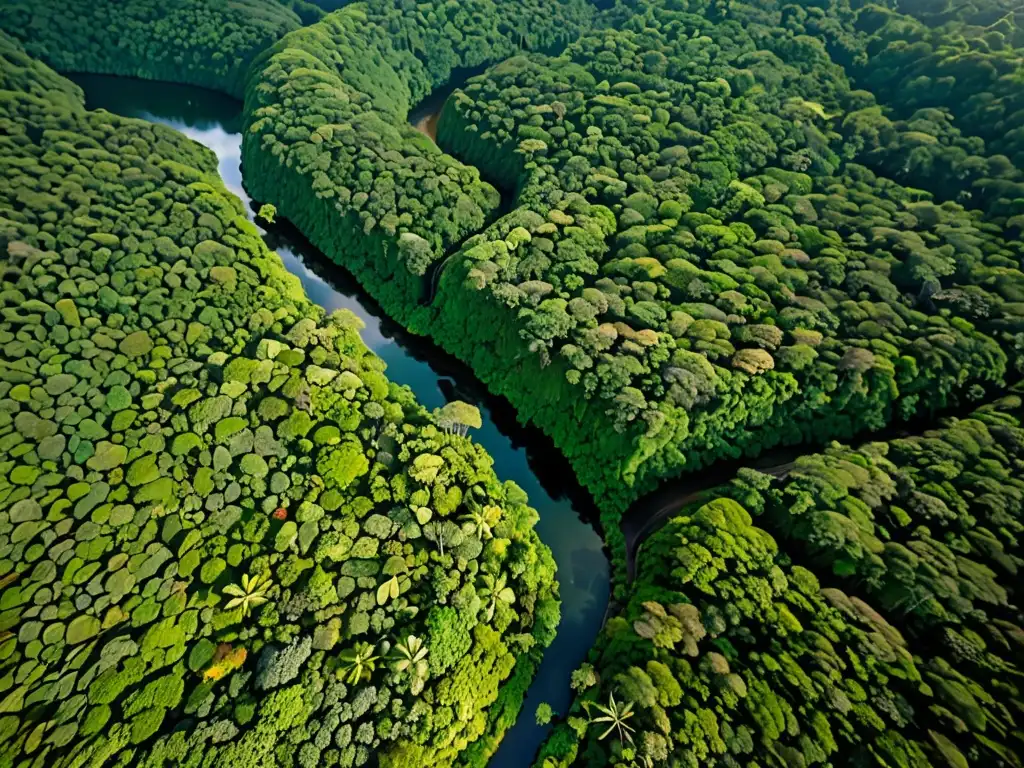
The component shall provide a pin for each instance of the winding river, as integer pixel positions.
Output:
(519, 454)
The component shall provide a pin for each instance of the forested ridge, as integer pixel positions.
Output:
(705, 252)
(883, 627)
(210, 43)
(226, 539)
(813, 291)
(341, 160)
(670, 233)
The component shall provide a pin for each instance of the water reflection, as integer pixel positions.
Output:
(519, 454)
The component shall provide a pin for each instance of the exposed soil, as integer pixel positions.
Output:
(427, 125)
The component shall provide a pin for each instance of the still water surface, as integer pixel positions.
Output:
(436, 378)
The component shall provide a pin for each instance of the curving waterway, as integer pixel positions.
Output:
(520, 454)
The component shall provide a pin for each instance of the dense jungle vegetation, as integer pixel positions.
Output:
(341, 161)
(210, 43)
(908, 652)
(225, 538)
(670, 233)
(706, 252)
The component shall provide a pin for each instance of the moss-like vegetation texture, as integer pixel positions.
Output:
(702, 228)
(712, 249)
(225, 538)
(729, 654)
(210, 43)
(327, 140)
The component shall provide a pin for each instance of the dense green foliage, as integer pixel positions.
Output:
(307, 11)
(702, 261)
(727, 654)
(211, 43)
(930, 527)
(699, 257)
(965, 61)
(225, 538)
(327, 140)
(952, 84)
(704, 228)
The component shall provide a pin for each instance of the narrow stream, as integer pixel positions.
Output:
(436, 378)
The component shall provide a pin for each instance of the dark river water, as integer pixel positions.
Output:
(519, 454)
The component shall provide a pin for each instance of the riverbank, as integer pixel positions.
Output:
(649, 513)
(520, 454)
(427, 125)
(653, 511)
(425, 115)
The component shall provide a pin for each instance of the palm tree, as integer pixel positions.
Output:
(358, 663)
(411, 656)
(251, 594)
(480, 520)
(617, 715)
(913, 599)
(493, 589)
